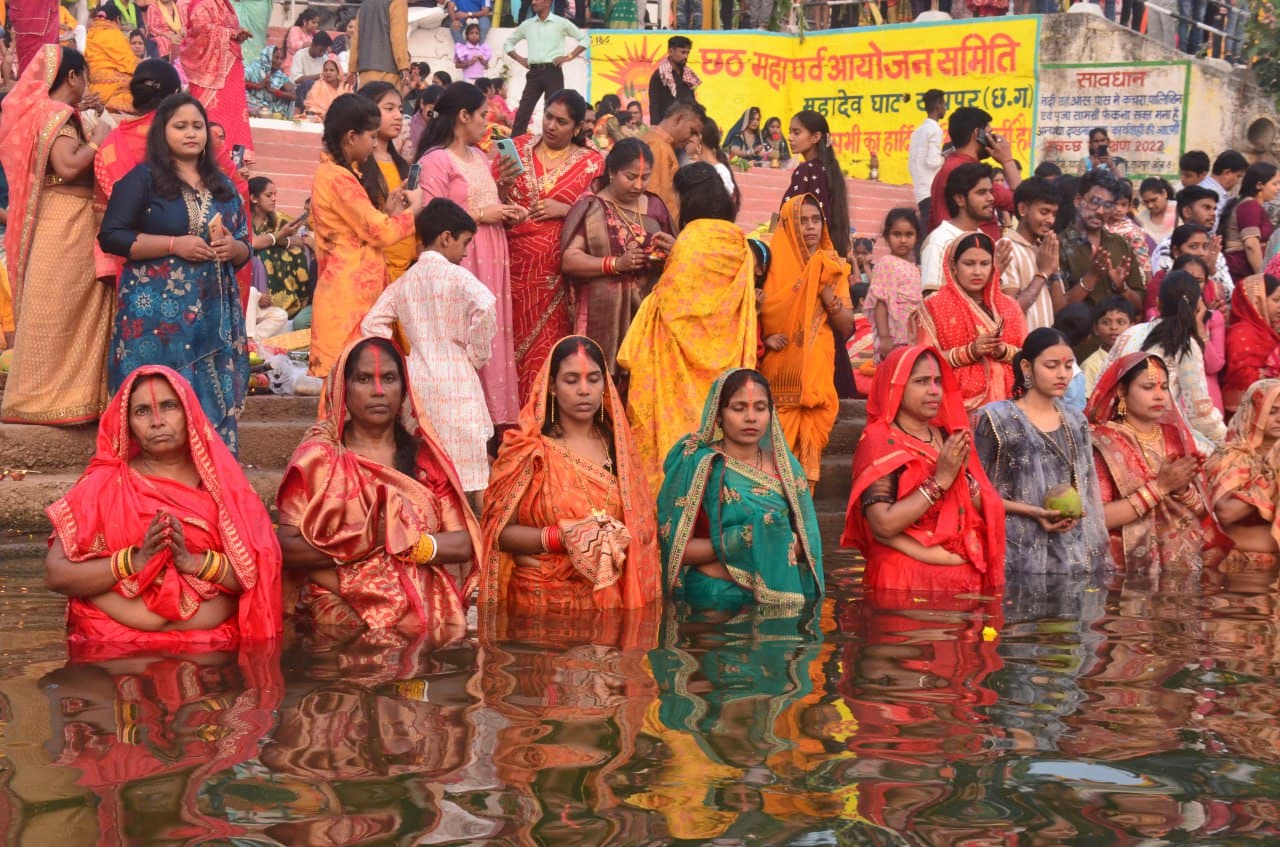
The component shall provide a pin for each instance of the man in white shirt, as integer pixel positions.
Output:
(1032, 277)
(308, 65)
(971, 202)
(924, 156)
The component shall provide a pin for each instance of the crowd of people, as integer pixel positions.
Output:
(559, 377)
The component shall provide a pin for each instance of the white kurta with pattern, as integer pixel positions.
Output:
(448, 318)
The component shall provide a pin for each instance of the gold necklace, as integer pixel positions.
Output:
(636, 225)
(552, 156)
(597, 513)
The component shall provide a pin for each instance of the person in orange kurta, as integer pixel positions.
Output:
(351, 233)
(805, 294)
(111, 61)
(371, 509)
(569, 520)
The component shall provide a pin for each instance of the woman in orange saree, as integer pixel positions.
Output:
(957, 543)
(557, 171)
(111, 61)
(1148, 468)
(805, 294)
(1242, 472)
(371, 509)
(163, 544)
(568, 519)
(978, 328)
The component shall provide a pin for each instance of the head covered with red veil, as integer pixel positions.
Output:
(1253, 344)
(111, 506)
(976, 535)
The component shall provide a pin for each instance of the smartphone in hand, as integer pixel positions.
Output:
(507, 150)
(415, 173)
(237, 156)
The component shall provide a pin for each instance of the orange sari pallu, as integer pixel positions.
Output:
(369, 517)
(950, 320)
(1240, 468)
(1253, 345)
(1181, 528)
(111, 506)
(958, 524)
(538, 482)
(802, 374)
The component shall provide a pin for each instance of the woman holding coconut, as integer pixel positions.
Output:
(1039, 455)
(1148, 467)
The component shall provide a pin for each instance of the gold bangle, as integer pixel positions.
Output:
(424, 550)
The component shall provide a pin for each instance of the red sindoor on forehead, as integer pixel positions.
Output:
(377, 368)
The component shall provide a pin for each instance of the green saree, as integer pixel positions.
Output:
(763, 530)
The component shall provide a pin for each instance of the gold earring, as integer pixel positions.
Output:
(553, 408)
(1122, 408)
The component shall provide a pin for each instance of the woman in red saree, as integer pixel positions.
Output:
(568, 518)
(1242, 473)
(1148, 468)
(978, 328)
(1253, 337)
(163, 544)
(371, 509)
(557, 171)
(932, 490)
(214, 68)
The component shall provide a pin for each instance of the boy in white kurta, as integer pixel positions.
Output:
(449, 320)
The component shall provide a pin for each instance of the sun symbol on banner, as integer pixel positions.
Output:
(630, 72)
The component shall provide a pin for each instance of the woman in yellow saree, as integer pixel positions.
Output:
(111, 61)
(698, 322)
(805, 295)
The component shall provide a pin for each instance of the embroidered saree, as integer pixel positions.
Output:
(112, 504)
(290, 270)
(1180, 528)
(1241, 467)
(950, 321)
(698, 322)
(111, 64)
(369, 517)
(538, 482)
(58, 374)
(763, 528)
(1253, 344)
(1023, 463)
(606, 305)
(185, 315)
(802, 374)
(211, 60)
(961, 523)
(539, 299)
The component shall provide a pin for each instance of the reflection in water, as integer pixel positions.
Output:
(1143, 711)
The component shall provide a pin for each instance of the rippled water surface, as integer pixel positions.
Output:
(1143, 713)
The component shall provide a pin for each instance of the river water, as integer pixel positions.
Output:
(1139, 713)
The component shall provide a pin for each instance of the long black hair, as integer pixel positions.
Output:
(711, 140)
(375, 184)
(575, 104)
(160, 160)
(702, 194)
(427, 100)
(458, 97)
(837, 210)
(348, 113)
(406, 455)
(624, 153)
(1036, 342)
(1176, 330)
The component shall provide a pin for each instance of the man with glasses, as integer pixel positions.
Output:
(1097, 264)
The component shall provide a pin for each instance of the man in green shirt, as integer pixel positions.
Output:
(544, 36)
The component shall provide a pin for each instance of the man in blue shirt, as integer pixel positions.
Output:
(544, 36)
(463, 10)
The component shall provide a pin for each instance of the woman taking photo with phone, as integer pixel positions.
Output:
(455, 168)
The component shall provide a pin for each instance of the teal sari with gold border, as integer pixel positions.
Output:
(764, 530)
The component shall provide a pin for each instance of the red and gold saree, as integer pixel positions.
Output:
(1253, 345)
(369, 517)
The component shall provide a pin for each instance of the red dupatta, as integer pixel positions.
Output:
(951, 319)
(1253, 346)
(1178, 529)
(369, 516)
(952, 523)
(111, 506)
(29, 124)
(210, 49)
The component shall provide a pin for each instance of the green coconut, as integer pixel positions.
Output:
(1065, 500)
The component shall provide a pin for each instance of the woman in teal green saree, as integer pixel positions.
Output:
(736, 520)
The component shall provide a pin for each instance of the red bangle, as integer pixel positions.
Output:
(553, 541)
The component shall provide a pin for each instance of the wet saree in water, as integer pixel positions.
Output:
(802, 374)
(538, 482)
(1243, 467)
(112, 504)
(539, 299)
(169, 311)
(969, 519)
(369, 517)
(58, 373)
(763, 528)
(1253, 344)
(1180, 530)
(698, 322)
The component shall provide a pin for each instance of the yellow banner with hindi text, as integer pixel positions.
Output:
(867, 81)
